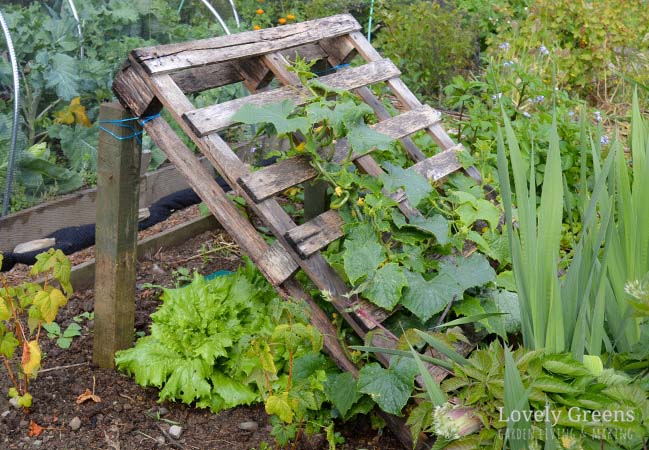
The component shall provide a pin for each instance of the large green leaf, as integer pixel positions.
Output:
(341, 391)
(63, 75)
(364, 139)
(187, 381)
(79, 145)
(427, 298)
(385, 287)
(233, 392)
(363, 253)
(389, 388)
(276, 114)
(416, 187)
(436, 225)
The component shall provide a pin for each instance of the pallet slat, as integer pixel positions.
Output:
(274, 179)
(440, 165)
(174, 57)
(215, 118)
(315, 234)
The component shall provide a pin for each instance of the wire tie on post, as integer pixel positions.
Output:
(124, 123)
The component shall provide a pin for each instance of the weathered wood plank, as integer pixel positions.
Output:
(202, 78)
(277, 268)
(271, 180)
(315, 234)
(439, 166)
(133, 93)
(118, 173)
(217, 117)
(173, 57)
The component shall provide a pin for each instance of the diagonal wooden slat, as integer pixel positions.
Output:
(218, 117)
(173, 57)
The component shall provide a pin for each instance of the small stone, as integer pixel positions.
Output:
(160, 440)
(23, 423)
(175, 431)
(249, 426)
(75, 424)
(37, 443)
(163, 411)
(5, 414)
(14, 402)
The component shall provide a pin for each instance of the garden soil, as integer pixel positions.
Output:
(129, 417)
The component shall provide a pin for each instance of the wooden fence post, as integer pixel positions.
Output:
(118, 174)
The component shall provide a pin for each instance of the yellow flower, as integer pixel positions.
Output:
(300, 147)
(256, 28)
(338, 191)
(360, 201)
(260, 11)
(484, 230)
(282, 20)
(290, 17)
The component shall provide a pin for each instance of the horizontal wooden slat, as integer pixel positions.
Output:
(173, 57)
(201, 78)
(315, 234)
(441, 165)
(217, 117)
(271, 180)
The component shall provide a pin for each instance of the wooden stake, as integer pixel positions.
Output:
(118, 172)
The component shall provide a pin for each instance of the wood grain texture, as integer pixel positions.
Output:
(439, 166)
(315, 234)
(118, 171)
(173, 57)
(271, 180)
(218, 117)
(133, 93)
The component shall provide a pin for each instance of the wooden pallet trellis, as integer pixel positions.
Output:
(162, 76)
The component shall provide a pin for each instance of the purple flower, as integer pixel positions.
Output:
(498, 95)
(598, 116)
(604, 140)
(526, 114)
(504, 46)
(538, 99)
(508, 64)
(543, 51)
(253, 149)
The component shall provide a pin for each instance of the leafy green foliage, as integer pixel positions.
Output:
(197, 350)
(495, 382)
(24, 309)
(596, 43)
(385, 254)
(428, 41)
(390, 388)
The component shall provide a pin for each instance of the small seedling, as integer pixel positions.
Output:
(63, 338)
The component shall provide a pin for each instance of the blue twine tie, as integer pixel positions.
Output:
(124, 123)
(332, 69)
